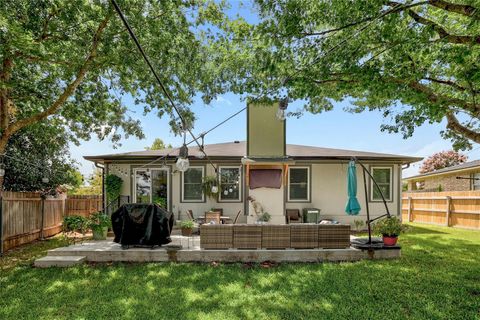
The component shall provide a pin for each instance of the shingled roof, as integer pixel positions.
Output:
(459, 167)
(237, 150)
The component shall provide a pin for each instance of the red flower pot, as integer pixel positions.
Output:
(390, 240)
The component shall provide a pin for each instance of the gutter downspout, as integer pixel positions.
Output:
(103, 184)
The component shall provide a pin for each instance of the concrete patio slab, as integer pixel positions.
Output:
(187, 249)
(59, 261)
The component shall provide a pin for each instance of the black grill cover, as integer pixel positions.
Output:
(142, 224)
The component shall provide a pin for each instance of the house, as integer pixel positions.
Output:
(462, 177)
(264, 168)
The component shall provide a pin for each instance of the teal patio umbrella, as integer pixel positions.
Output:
(353, 207)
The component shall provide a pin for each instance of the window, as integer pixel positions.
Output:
(383, 177)
(230, 184)
(192, 185)
(476, 181)
(151, 186)
(299, 184)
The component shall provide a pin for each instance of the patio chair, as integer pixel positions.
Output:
(212, 216)
(237, 217)
(235, 220)
(218, 210)
(293, 216)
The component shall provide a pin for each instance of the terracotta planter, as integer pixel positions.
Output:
(186, 232)
(390, 240)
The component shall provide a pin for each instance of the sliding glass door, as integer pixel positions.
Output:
(152, 186)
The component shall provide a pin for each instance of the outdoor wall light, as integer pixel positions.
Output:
(45, 180)
(282, 107)
(214, 189)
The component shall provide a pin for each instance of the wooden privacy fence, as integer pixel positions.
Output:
(449, 208)
(26, 217)
(83, 205)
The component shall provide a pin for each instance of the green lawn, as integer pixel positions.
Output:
(438, 277)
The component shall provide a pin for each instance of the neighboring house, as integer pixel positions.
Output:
(265, 168)
(462, 177)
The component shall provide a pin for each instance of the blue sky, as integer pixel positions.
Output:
(334, 129)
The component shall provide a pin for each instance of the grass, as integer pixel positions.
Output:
(438, 277)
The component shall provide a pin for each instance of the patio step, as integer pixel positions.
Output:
(59, 261)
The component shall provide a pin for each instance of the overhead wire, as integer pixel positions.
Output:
(159, 81)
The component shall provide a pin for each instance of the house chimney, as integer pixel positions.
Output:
(266, 134)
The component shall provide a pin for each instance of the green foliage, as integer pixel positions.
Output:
(39, 151)
(265, 216)
(438, 267)
(389, 227)
(158, 144)
(207, 184)
(75, 224)
(187, 224)
(94, 184)
(72, 62)
(416, 64)
(359, 224)
(113, 186)
(98, 221)
(161, 201)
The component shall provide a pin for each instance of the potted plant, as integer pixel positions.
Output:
(187, 227)
(264, 217)
(99, 222)
(390, 229)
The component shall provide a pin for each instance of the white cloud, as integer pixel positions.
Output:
(222, 100)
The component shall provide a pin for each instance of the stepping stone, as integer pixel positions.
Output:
(59, 261)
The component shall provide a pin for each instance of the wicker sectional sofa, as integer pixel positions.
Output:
(295, 236)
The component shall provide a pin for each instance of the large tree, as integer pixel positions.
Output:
(72, 61)
(416, 61)
(37, 152)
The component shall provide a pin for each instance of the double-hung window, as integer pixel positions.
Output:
(383, 177)
(299, 184)
(230, 184)
(192, 185)
(476, 181)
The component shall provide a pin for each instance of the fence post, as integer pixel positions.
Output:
(409, 209)
(1, 224)
(447, 213)
(42, 219)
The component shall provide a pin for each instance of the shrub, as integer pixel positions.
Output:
(113, 186)
(75, 224)
(99, 220)
(186, 224)
(390, 227)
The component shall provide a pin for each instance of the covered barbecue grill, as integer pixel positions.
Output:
(142, 224)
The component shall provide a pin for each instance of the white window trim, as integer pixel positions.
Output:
(308, 184)
(183, 185)
(134, 191)
(240, 177)
(372, 184)
(475, 183)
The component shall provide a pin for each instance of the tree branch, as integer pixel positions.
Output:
(456, 39)
(355, 23)
(454, 125)
(463, 9)
(451, 84)
(71, 87)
